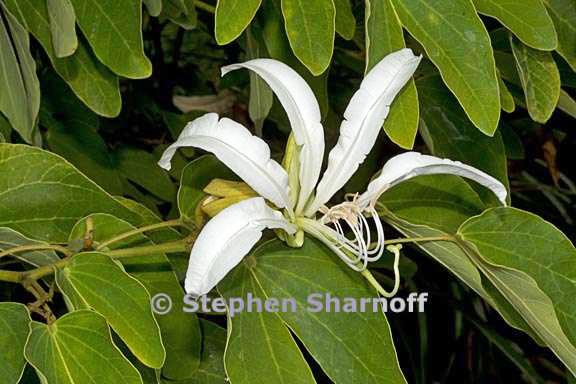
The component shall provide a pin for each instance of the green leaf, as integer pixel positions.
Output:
(567, 104)
(62, 27)
(351, 347)
(563, 13)
(345, 21)
(511, 238)
(42, 196)
(14, 329)
(122, 300)
(261, 96)
(232, 18)
(528, 20)
(181, 12)
(10, 239)
(448, 133)
(540, 80)
(195, 177)
(114, 31)
(440, 201)
(141, 168)
(260, 348)
(19, 86)
(383, 36)
(154, 7)
(506, 98)
(77, 348)
(453, 257)
(457, 43)
(278, 47)
(5, 129)
(310, 28)
(91, 81)
(180, 330)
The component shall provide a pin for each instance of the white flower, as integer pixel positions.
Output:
(230, 235)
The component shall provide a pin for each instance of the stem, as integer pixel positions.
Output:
(36, 247)
(148, 228)
(204, 6)
(418, 239)
(27, 277)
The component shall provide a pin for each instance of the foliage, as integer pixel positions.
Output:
(91, 94)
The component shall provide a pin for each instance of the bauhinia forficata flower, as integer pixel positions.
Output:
(351, 229)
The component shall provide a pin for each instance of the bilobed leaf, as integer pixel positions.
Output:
(62, 27)
(448, 133)
(180, 330)
(42, 196)
(457, 43)
(427, 199)
(344, 353)
(19, 86)
(310, 26)
(140, 167)
(345, 21)
(509, 237)
(232, 17)
(10, 239)
(384, 36)
(563, 13)
(14, 329)
(91, 81)
(528, 20)
(114, 31)
(260, 348)
(77, 348)
(540, 80)
(195, 177)
(121, 299)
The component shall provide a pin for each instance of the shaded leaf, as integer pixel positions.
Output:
(14, 329)
(10, 239)
(154, 7)
(114, 31)
(91, 81)
(457, 43)
(345, 21)
(77, 348)
(62, 27)
(540, 80)
(19, 86)
(563, 13)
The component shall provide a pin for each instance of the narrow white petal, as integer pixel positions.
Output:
(247, 155)
(363, 119)
(226, 239)
(303, 112)
(412, 164)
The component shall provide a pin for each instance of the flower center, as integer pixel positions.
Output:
(350, 216)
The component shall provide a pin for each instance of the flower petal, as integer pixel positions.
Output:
(363, 119)
(412, 164)
(226, 239)
(303, 112)
(247, 155)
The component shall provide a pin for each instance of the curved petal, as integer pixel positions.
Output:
(303, 112)
(412, 164)
(247, 155)
(363, 119)
(226, 239)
